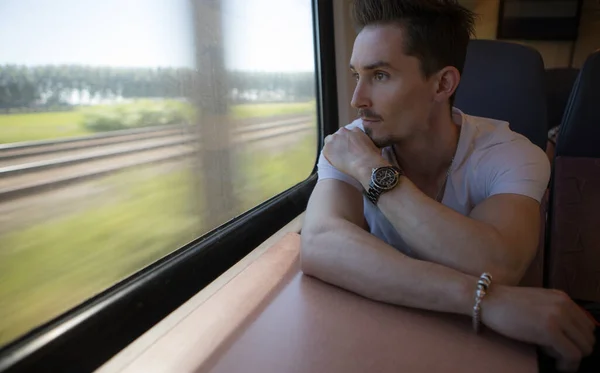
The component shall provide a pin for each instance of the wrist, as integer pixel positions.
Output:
(468, 287)
(495, 294)
(493, 297)
(365, 168)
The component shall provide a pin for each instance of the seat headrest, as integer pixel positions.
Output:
(559, 83)
(579, 134)
(505, 81)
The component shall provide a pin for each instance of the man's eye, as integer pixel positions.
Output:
(380, 76)
(355, 76)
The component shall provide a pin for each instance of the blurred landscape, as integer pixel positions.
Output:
(103, 171)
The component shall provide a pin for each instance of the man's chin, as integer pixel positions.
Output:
(379, 141)
(382, 142)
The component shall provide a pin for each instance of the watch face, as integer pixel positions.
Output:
(385, 177)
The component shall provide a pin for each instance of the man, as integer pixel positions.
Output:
(453, 195)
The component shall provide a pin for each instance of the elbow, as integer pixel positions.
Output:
(512, 272)
(309, 253)
(522, 266)
(506, 274)
(502, 273)
(506, 267)
(315, 259)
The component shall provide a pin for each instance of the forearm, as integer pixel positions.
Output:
(439, 234)
(349, 257)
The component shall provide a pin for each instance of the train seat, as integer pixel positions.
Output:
(505, 81)
(559, 83)
(574, 254)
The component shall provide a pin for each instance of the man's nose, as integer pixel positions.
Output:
(361, 97)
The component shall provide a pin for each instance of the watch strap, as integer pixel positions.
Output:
(374, 191)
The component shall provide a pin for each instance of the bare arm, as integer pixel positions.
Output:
(336, 249)
(500, 236)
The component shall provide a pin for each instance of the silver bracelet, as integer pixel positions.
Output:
(482, 287)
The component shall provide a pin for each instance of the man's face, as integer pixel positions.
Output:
(392, 96)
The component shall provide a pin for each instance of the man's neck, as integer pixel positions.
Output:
(428, 154)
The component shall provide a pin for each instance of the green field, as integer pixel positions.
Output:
(265, 110)
(50, 267)
(42, 126)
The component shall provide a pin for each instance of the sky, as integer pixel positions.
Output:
(259, 35)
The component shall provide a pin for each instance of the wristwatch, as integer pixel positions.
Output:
(382, 179)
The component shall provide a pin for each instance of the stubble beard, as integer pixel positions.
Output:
(380, 143)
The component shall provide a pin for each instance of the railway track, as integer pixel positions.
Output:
(32, 167)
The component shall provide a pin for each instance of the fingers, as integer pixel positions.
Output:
(560, 363)
(569, 355)
(340, 132)
(328, 138)
(582, 329)
(567, 366)
(577, 324)
(581, 336)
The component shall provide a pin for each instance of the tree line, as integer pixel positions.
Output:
(52, 86)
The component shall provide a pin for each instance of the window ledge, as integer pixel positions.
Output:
(192, 310)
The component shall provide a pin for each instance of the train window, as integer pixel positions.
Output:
(129, 128)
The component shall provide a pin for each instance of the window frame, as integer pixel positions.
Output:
(83, 338)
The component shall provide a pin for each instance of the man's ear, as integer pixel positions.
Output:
(447, 83)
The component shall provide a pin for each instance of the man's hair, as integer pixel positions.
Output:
(437, 31)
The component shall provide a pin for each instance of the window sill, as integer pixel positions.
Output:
(136, 352)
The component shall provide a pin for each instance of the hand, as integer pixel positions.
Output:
(545, 317)
(349, 150)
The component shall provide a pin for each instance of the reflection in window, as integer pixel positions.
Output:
(125, 135)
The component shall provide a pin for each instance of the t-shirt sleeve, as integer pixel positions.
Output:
(327, 171)
(518, 167)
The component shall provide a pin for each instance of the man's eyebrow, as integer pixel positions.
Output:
(374, 66)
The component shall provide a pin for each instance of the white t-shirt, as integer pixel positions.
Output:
(490, 159)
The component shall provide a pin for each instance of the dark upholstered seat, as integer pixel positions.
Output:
(574, 255)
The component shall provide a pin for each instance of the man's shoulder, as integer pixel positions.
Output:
(494, 138)
(504, 161)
